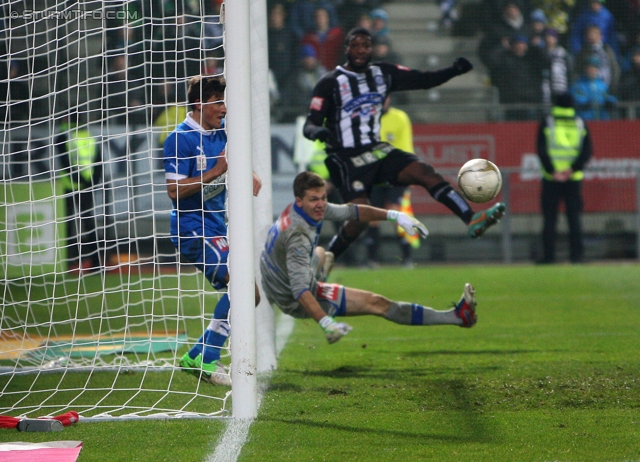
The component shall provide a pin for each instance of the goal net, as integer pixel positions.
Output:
(96, 304)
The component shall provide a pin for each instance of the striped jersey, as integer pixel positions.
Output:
(350, 103)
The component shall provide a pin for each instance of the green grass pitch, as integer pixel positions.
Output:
(550, 372)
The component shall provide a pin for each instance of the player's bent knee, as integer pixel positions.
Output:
(377, 304)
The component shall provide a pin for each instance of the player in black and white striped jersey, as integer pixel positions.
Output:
(345, 113)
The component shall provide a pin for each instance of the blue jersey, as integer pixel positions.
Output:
(190, 151)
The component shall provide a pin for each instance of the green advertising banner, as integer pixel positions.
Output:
(32, 230)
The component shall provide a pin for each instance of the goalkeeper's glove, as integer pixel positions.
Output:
(410, 224)
(333, 330)
(462, 66)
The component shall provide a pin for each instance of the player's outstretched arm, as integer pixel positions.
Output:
(410, 224)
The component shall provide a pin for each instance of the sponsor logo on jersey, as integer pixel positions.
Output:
(316, 103)
(328, 291)
(220, 243)
(357, 186)
(214, 188)
(201, 161)
(363, 101)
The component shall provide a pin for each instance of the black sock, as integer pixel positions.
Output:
(449, 197)
(340, 243)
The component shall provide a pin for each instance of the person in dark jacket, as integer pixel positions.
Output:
(564, 148)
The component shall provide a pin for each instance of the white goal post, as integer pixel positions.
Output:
(96, 324)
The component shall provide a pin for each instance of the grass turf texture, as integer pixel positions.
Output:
(550, 372)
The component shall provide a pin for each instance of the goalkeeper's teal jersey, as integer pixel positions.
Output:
(285, 262)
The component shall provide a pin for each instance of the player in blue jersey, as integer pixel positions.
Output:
(195, 171)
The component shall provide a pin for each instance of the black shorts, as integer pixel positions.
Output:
(354, 176)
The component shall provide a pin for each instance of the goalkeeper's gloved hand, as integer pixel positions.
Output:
(333, 330)
(462, 66)
(410, 224)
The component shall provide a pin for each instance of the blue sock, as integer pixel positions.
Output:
(216, 334)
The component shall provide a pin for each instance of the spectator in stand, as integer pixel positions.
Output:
(326, 40)
(350, 11)
(591, 94)
(595, 14)
(558, 14)
(632, 46)
(448, 14)
(282, 44)
(498, 33)
(380, 23)
(538, 26)
(383, 51)
(303, 81)
(365, 21)
(606, 56)
(630, 80)
(301, 17)
(558, 67)
(518, 73)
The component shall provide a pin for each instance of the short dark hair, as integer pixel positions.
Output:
(305, 181)
(203, 88)
(356, 31)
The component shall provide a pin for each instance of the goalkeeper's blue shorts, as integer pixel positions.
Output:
(209, 255)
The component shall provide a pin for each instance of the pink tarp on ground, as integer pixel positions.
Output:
(55, 451)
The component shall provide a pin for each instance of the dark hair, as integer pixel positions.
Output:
(357, 31)
(202, 88)
(305, 181)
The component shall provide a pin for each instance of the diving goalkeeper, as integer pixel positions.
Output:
(291, 266)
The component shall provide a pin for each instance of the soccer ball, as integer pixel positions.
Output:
(479, 180)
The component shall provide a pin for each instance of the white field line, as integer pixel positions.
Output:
(232, 440)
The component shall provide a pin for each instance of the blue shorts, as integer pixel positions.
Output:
(209, 255)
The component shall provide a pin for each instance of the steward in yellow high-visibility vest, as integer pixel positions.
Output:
(80, 159)
(395, 129)
(564, 147)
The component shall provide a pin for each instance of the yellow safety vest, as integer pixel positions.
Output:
(565, 134)
(81, 149)
(395, 129)
(316, 163)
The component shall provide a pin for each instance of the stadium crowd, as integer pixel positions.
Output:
(536, 49)
(532, 50)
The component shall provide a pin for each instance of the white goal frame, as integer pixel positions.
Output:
(248, 125)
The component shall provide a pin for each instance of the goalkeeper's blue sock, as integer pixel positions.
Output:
(418, 315)
(216, 334)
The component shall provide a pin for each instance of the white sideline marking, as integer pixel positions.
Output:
(233, 439)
